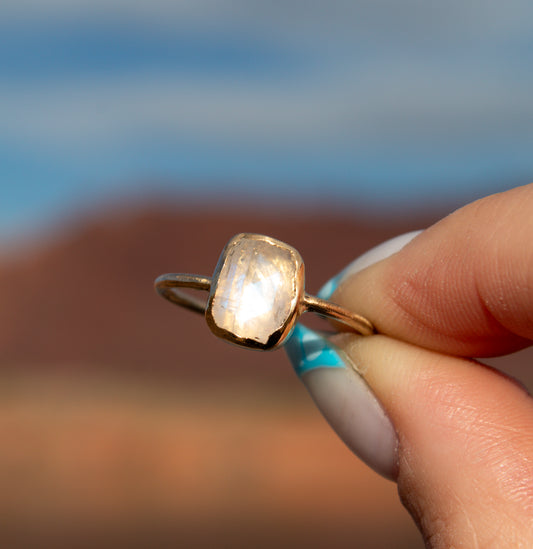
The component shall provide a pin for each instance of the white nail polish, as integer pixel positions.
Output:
(382, 251)
(339, 391)
(355, 414)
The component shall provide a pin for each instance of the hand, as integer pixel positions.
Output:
(456, 435)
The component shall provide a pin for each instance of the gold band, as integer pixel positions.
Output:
(168, 286)
(322, 307)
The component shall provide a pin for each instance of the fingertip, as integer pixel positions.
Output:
(381, 251)
(463, 287)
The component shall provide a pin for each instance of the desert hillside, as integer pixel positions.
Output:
(86, 298)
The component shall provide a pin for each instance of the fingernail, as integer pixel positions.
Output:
(344, 399)
(330, 286)
(339, 391)
(374, 255)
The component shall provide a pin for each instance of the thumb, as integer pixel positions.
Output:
(465, 442)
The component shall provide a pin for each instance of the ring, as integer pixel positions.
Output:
(256, 294)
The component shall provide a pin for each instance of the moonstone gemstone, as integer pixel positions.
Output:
(255, 289)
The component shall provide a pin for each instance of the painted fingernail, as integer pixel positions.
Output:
(374, 255)
(344, 399)
(339, 391)
(330, 286)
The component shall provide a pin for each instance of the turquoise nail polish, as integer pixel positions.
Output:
(330, 286)
(308, 350)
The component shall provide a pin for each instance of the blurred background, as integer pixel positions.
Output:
(135, 139)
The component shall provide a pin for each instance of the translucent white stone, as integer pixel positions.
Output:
(254, 289)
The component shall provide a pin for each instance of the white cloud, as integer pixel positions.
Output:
(438, 70)
(395, 103)
(301, 19)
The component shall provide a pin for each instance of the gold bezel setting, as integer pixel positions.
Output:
(256, 291)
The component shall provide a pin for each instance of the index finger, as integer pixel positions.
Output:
(464, 286)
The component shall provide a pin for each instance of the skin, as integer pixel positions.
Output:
(463, 288)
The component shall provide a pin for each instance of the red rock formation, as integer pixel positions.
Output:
(86, 299)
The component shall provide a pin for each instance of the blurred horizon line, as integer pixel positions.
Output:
(276, 201)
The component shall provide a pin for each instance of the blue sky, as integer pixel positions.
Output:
(384, 103)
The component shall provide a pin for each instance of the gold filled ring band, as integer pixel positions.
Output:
(168, 286)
